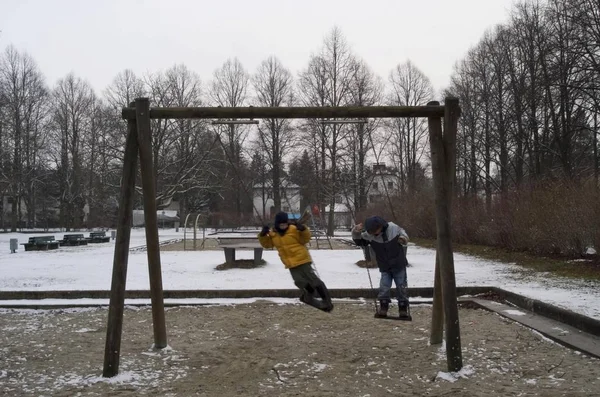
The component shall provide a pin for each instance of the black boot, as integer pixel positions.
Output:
(324, 293)
(404, 311)
(383, 309)
(309, 298)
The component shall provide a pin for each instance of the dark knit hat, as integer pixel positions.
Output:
(281, 217)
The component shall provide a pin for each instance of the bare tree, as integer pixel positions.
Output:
(72, 109)
(229, 88)
(124, 89)
(463, 86)
(587, 20)
(22, 93)
(274, 87)
(529, 97)
(409, 87)
(189, 167)
(102, 167)
(366, 89)
(560, 71)
(494, 46)
(326, 82)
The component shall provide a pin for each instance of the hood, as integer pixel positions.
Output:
(280, 217)
(373, 222)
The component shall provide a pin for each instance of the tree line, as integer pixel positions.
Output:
(530, 98)
(528, 166)
(61, 147)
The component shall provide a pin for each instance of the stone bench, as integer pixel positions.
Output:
(229, 247)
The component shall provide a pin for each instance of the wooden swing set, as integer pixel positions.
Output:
(139, 141)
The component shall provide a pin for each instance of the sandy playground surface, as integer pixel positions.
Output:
(268, 349)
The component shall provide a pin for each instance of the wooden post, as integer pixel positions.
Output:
(448, 276)
(258, 256)
(443, 167)
(437, 314)
(114, 327)
(142, 111)
(229, 255)
(195, 234)
(185, 230)
(196, 228)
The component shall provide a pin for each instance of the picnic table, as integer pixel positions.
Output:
(73, 239)
(98, 237)
(41, 243)
(231, 244)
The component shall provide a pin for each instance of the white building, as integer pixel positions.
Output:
(51, 210)
(384, 182)
(342, 216)
(7, 206)
(165, 218)
(263, 199)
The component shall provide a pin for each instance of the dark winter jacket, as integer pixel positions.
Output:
(387, 247)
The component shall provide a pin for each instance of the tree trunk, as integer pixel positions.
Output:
(473, 157)
(488, 160)
(362, 190)
(322, 182)
(503, 136)
(596, 159)
(16, 177)
(333, 185)
(276, 182)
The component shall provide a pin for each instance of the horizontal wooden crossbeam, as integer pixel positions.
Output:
(290, 112)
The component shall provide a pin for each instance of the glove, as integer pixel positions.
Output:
(402, 240)
(265, 230)
(357, 228)
(300, 227)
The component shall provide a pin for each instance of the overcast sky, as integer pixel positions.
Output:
(97, 39)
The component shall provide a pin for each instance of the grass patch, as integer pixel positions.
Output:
(241, 264)
(587, 269)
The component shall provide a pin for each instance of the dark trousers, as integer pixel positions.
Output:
(385, 285)
(309, 283)
(305, 277)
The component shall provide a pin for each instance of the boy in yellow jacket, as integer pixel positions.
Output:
(290, 241)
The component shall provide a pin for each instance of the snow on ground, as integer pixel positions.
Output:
(90, 267)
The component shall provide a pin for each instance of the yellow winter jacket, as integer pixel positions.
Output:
(291, 246)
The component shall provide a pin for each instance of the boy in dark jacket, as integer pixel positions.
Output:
(387, 241)
(290, 241)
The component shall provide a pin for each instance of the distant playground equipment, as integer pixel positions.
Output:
(200, 222)
(195, 216)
